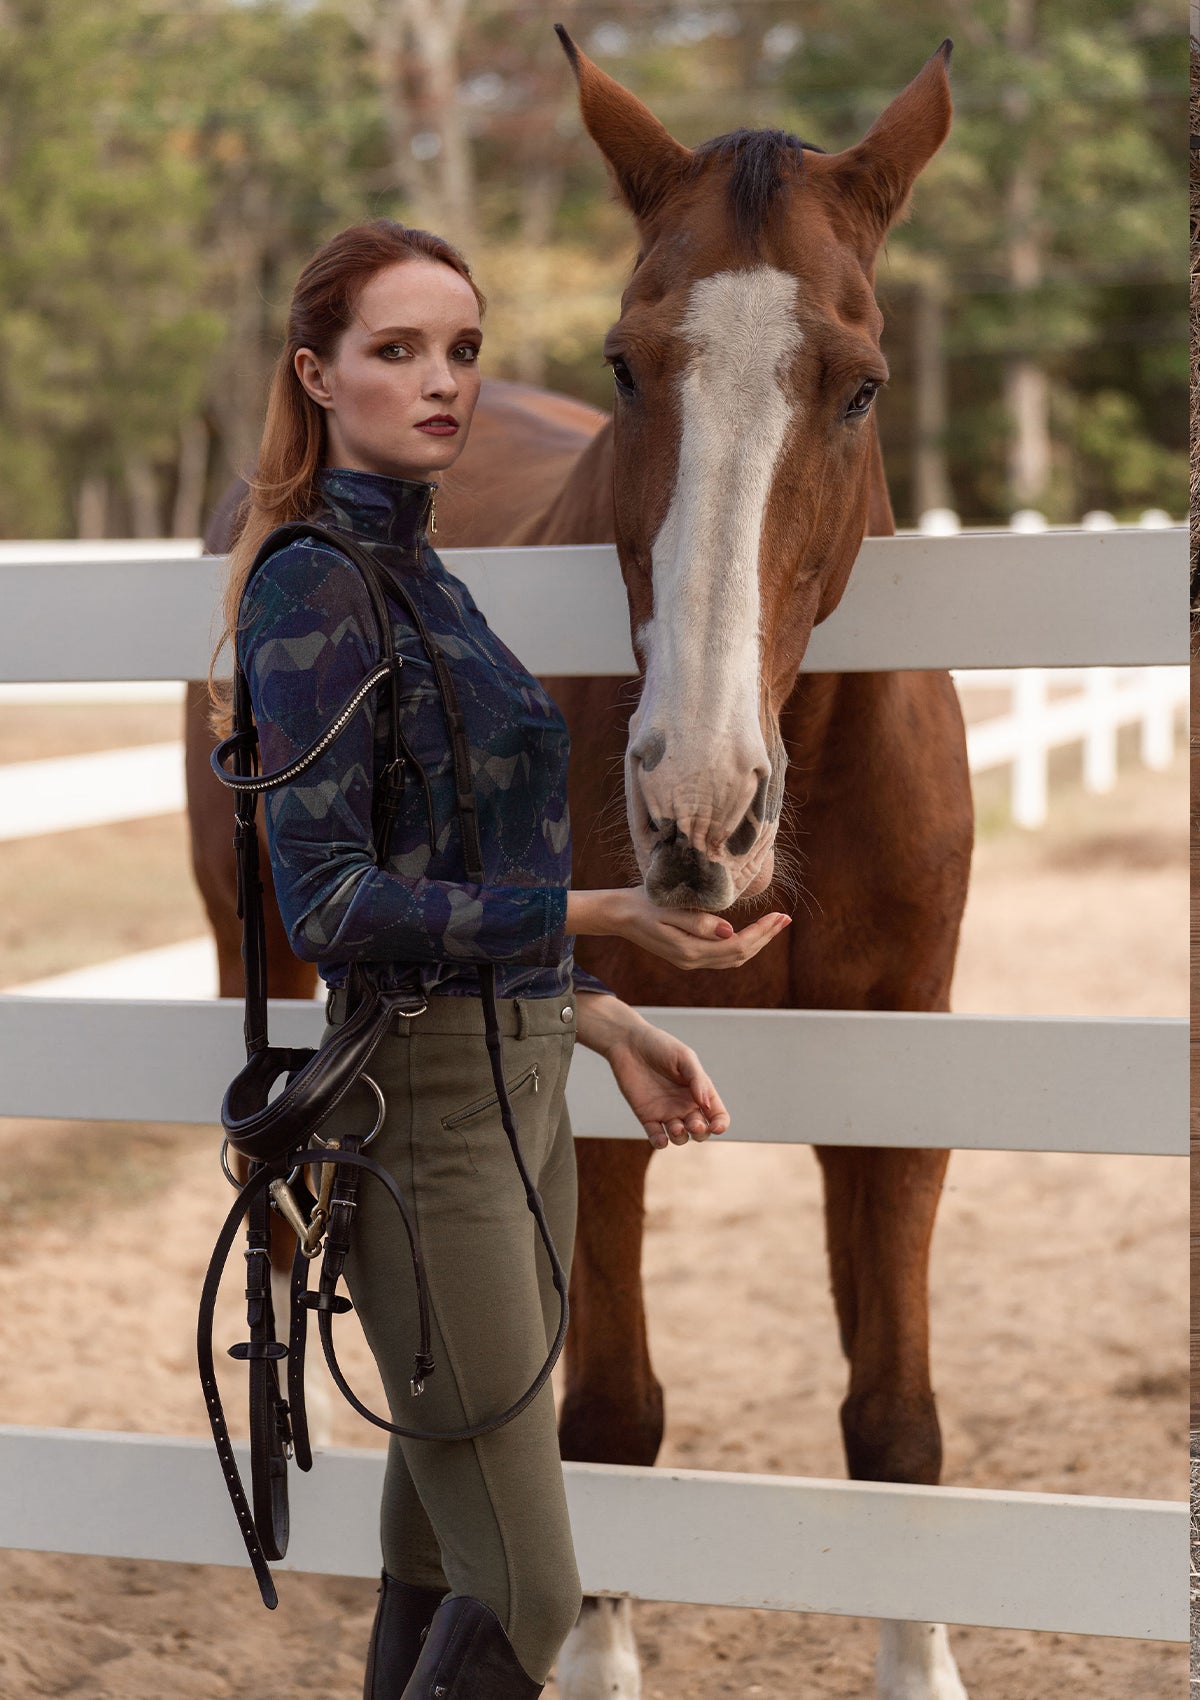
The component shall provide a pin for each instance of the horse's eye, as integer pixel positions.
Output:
(621, 374)
(862, 398)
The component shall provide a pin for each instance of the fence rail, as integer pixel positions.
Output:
(832, 1077)
(1040, 1561)
(986, 599)
(1080, 1565)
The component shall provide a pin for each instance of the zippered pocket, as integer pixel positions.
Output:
(515, 1085)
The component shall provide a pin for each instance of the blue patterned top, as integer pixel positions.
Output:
(306, 639)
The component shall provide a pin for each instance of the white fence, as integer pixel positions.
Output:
(1017, 1560)
(1089, 707)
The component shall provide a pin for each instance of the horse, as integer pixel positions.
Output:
(737, 475)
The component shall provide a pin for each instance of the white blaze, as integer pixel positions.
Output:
(702, 666)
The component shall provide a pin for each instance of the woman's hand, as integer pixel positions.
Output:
(660, 1077)
(687, 938)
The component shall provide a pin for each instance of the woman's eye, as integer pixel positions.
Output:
(862, 398)
(467, 351)
(394, 351)
(622, 376)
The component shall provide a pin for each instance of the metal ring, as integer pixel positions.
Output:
(332, 1144)
(382, 1102)
(226, 1170)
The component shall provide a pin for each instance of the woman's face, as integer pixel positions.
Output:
(402, 385)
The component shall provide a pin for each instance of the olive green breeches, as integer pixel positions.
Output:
(488, 1517)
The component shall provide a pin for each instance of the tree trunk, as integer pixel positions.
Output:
(187, 515)
(238, 393)
(141, 483)
(541, 192)
(1027, 394)
(381, 24)
(931, 480)
(1026, 390)
(436, 26)
(414, 49)
(91, 506)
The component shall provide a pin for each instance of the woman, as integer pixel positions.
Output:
(371, 400)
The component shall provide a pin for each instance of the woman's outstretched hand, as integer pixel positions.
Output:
(687, 938)
(661, 1079)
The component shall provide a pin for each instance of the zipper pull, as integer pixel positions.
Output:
(433, 511)
(536, 1087)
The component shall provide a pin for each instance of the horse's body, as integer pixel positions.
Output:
(875, 778)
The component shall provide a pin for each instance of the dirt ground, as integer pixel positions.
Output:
(1059, 1330)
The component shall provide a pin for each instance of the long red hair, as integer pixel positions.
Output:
(283, 484)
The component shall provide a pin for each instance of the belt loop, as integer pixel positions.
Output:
(522, 1021)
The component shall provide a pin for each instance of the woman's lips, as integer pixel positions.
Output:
(438, 427)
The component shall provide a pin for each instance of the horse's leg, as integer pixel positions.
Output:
(879, 1212)
(210, 833)
(613, 1409)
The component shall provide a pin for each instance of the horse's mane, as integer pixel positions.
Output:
(762, 161)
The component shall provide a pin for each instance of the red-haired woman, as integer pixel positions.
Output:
(371, 400)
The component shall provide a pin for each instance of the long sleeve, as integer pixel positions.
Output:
(308, 637)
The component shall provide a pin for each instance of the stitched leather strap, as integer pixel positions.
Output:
(259, 1537)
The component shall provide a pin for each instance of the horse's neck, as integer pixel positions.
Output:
(582, 510)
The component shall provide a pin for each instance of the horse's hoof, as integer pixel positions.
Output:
(598, 1660)
(915, 1663)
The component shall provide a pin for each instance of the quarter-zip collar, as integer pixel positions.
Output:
(375, 506)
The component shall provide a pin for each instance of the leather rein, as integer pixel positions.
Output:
(279, 1135)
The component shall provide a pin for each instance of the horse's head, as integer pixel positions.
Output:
(745, 360)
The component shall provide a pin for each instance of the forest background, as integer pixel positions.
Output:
(165, 170)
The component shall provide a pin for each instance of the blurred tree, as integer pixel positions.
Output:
(1060, 184)
(166, 168)
(269, 104)
(414, 51)
(104, 334)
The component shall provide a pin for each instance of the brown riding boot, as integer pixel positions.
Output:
(402, 1616)
(467, 1656)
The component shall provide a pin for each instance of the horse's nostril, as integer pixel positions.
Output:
(650, 749)
(743, 837)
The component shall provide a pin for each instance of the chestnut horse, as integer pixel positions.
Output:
(738, 475)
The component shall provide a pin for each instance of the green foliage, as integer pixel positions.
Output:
(166, 168)
(1118, 456)
(1079, 105)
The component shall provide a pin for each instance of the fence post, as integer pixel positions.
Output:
(1158, 720)
(1100, 742)
(1030, 759)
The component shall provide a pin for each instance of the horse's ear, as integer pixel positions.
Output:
(644, 157)
(878, 173)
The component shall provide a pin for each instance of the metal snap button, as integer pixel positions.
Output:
(568, 1014)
